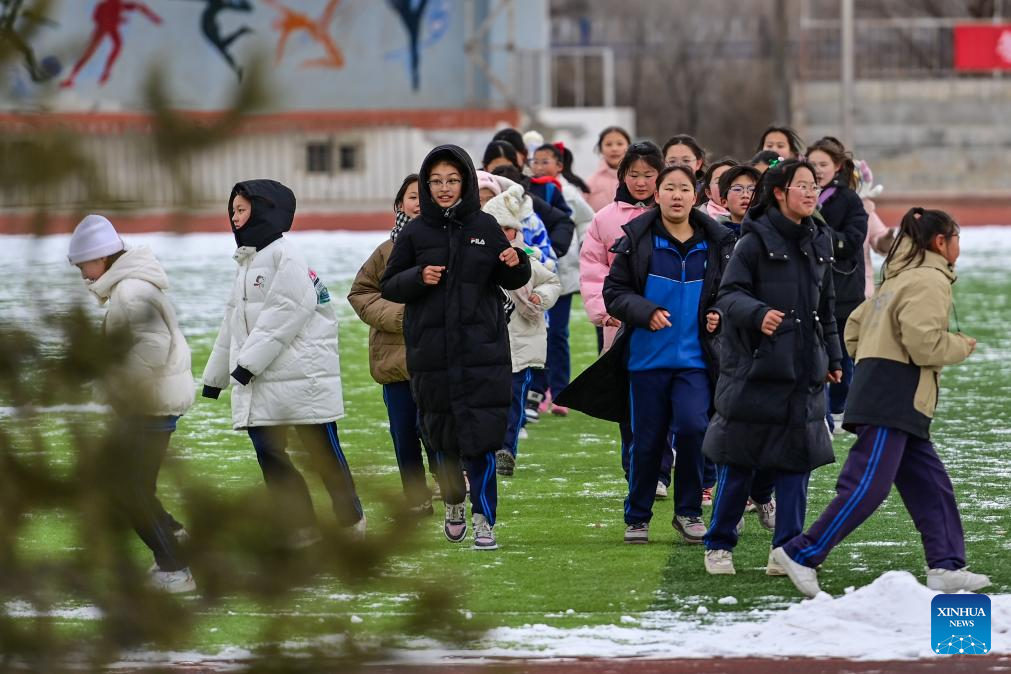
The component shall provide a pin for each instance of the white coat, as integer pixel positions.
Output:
(279, 325)
(154, 378)
(528, 331)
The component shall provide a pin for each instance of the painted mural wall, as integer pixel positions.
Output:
(322, 54)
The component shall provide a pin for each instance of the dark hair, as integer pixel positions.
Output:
(831, 146)
(111, 259)
(764, 157)
(608, 131)
(644, 150)
(567, 160)
(708, 176)
(398, 201)
(792, 137)
(510, 172)
(514, 138)
(555, 152)
(688, 171)
(500, 149)
(780, 175)
(693, 145)
(920, 226)
(735, 172)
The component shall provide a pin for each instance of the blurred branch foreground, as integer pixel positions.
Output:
(236, 545)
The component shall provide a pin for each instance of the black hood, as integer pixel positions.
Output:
(273, 212)
(469, 202)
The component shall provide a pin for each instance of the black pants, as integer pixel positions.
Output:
(137, 448)
(286, 483)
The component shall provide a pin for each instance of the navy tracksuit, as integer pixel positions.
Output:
(407, 442)
(880, 458)
(517, 410)
(481, 475)
(286, 483)
(669, 389)
(735, 483)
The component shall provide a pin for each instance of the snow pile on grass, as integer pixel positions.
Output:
(886, 620)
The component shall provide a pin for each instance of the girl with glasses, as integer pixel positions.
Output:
(778, 348)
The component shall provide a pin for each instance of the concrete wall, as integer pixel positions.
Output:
(939, 137)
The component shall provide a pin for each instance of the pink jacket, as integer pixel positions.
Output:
(595, 258)
(875, 230)
(603, 184)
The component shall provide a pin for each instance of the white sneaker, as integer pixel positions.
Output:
(774, 568)
(304, 538)
(357, 529)
(837, 428)
(720, 563)
(740, 527)
(804, 578)
(172, 582)
(522, 434)
(661, 490)
(946, 580)
(484, 534)
(767, 514)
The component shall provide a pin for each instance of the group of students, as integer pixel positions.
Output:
(725, 296)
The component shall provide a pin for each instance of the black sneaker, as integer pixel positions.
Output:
(505, 463)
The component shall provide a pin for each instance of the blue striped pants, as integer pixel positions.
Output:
(880, 458)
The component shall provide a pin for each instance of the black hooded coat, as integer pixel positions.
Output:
(272, 214)
(456, 331)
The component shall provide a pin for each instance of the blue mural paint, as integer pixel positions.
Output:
(212, 29)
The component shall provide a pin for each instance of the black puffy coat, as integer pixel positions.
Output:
(602, 389)
(456, 331)
(844, 213)
(770, 396)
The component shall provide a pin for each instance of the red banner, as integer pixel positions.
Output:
(983, 47)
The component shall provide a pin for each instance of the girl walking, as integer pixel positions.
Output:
(777, 349)
(665, 275)
(278, 344)
(149, 388)
(447, 266)
(900, 340)
(388, 357)
(611, 146)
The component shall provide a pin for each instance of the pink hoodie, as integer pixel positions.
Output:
(603, 184)
(595, 258)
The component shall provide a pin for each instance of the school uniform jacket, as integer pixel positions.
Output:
(900, 341)
(602, 389)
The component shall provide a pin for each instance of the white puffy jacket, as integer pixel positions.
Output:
(280, 326)
(154, 378)
(528, 332)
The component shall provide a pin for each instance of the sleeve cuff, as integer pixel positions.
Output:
(211, 392)
(242, 375)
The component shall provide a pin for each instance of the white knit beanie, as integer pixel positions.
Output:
(507, 207)
(94, 238)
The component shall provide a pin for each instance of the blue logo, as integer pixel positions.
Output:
(960, 624)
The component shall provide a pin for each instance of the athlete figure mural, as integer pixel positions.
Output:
(212, 29)
(108, 16)
(291, 22)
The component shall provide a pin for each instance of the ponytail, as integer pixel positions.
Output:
(920, 226)
(779, 174)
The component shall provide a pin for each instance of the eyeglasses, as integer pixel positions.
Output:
(742, 189)
(439, 184)
(680, 161)
(807, 188)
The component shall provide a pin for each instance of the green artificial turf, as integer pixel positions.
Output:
(561, 560)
